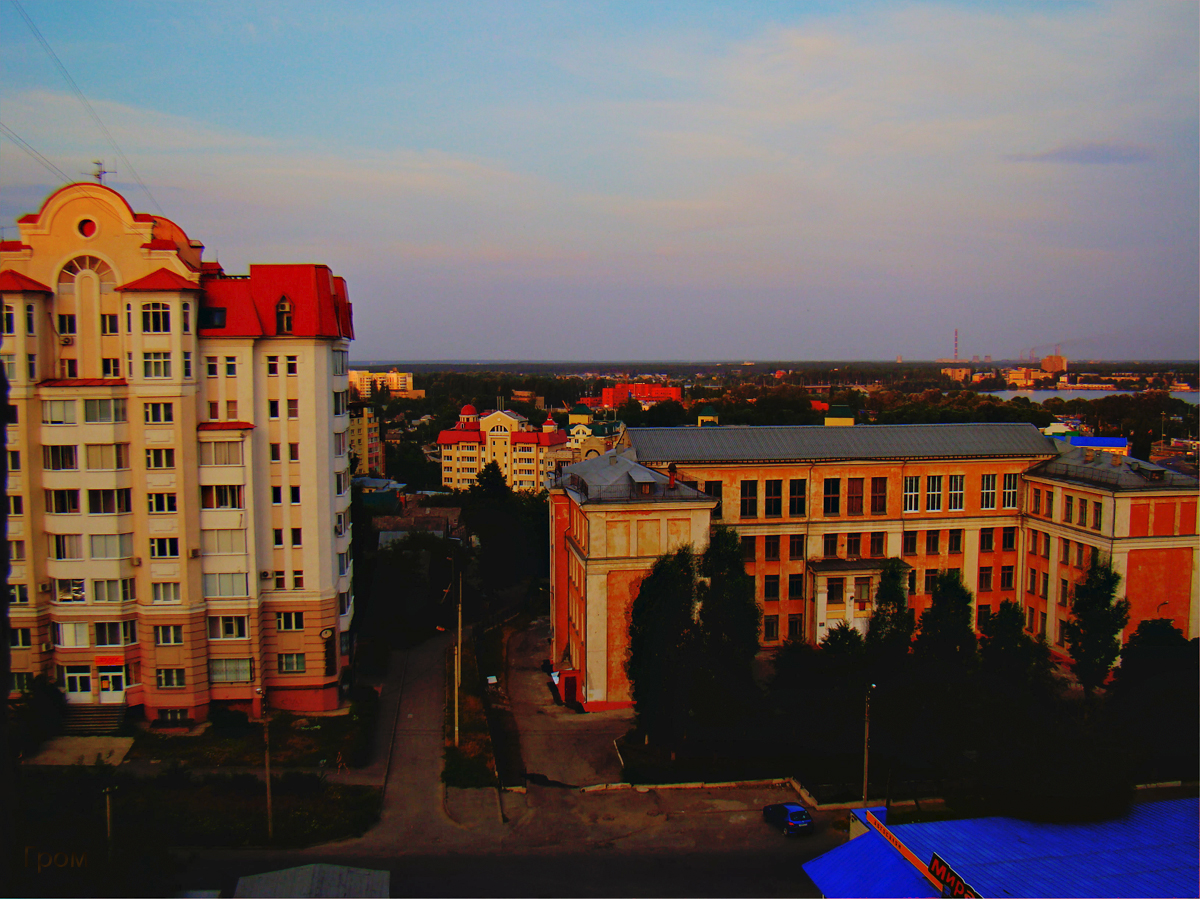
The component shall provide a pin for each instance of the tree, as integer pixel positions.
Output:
(1010, 660)
(662, 636)
(490, 483)
(728, 625)
(843, 640)
(890, 632)
(947, 636)
(1093, 633)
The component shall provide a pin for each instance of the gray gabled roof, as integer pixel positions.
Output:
(615, 477)
(1128, 474)
(814, 442)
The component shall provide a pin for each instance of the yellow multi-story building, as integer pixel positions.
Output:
(365, 445)
(398, 383)
(526, 456)
(178, 489)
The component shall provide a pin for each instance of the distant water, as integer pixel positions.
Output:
(1040, 396)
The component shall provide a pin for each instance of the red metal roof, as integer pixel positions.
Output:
(83, 382)
(541, 438)
(9, 246)
(463, 436)
(10, 280)
(224, 426)
(320, 306)
(163, 279)
(160, 243)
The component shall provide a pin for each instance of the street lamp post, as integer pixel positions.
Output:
(108, 791)
(267, 764)
(866, 740)
(458, 660)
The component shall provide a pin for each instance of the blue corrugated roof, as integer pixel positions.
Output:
(1153, 850)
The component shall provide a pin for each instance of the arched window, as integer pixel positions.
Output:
(187, 318)
(156, 318)
(80, 264)
(283, 317)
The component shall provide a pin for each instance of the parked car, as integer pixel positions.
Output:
(790, 817)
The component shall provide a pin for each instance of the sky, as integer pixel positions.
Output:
(668, 180)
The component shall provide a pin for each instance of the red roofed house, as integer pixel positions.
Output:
(526, 456)
(178, 467)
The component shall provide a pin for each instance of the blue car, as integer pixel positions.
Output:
(790, 817)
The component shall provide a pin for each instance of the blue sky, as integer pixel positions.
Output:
(657, 181)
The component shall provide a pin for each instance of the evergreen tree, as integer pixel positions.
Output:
(1012, 660)
(843, 640)
(890, 632)
(1093, 633)
(947, 637)
(728, 627)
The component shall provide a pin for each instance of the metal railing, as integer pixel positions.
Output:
(631, 493)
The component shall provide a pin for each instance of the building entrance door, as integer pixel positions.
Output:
(79, 683)
(112, 683)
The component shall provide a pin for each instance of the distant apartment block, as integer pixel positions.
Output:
(178, 489)
(646, 394)
(365, 445)
(398, 383)
(526, 456)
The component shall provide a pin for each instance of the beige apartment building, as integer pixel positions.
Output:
(178, 491)
(527, 457)
(398, 383)
(365, 445)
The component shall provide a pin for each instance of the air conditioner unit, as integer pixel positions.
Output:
(193, 553)
(44, 587)
(264, 575)
(66, 340)
(135, 561)
(46, 647)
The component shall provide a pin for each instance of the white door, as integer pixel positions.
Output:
(112, 683)
(79, 683)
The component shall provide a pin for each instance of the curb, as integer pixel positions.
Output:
(387, 768)
(446, 810)
(691, 785)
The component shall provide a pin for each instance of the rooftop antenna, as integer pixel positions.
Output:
(956, 344)
(100, 171)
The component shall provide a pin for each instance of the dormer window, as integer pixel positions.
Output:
(645, 488)
(283, 317)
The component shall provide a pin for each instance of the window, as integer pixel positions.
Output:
(770, 628)
(221, 496)
(912, 581)
(158, 413)
(877, 544)
(293, 407)
(60, 458)
(168, 634)
(10, 366)
(1033, 581)
(836, 591)
(31, 365)
(297, 537)
(10, 319)
(1033, 543)
(217, 542)
(276, 495)
(771, 588)
(1063, 591)
(341, 402)
(1064, 554)
(14, 505)
(69, 634)
(862, 593)
(1030, 617)
(341, 481)
(773, 499)
(984, 614)
(1068, 509)
(19, 638)
(1049, 503)
(277, 534)
(987, 492)
(910, 543)
(294, 490)
(1008, 539)
(797, 491)
(68, 368)
(159, 458)
(1097, 513)
(70, 589)
(110, 502)
(187, 364)
(341, 444)
(283, 324)
(829, 546)
(123, 590)
(930, 579)
(29, 319)
(156, 318)
(912, 493)
(231, 410)
(749, 499)
(66, 546)
(1045, 546)
(164, 547)
(167, 678)
(230, 583)
(933, 493)
(272, 409)
(22, 681)
(280, 580)
(833, 496)
(230, 671)
(878, 496)
(747, 549)
(292, 367)
(187, 318)
(167, 592)
(955, 488)
(795, 586)
(986, 540)
(795, 625)
(1045, 584)
(211, 366)
(1007, 577)
(274, 452)
(931, 542)
(221, 452)
(156, 365)
(58, 412)
(291, 663)
(227, 627)
(110, 368)
(160, 502)
(985, 580)
(341, 361)
(272, 365)
(1010, 491)
(231, 366)
(1078, 555)
(854, 496)
(955, 541)
(341, 523)
(853, 546)
(1037, 501)
(795, 546)
(343, 608)
(66, 323)
(1083, 510)
(112, 546)
(293, 452)
(211, 317)
(14, 460)
(771, 548)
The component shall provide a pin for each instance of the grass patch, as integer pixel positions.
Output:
(472, 763)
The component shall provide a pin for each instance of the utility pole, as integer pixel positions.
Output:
(866, 740)
(108, 791)
(458, 660)
(267, 757)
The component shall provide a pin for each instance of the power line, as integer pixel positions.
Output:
(88, 106)
(29, 149)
